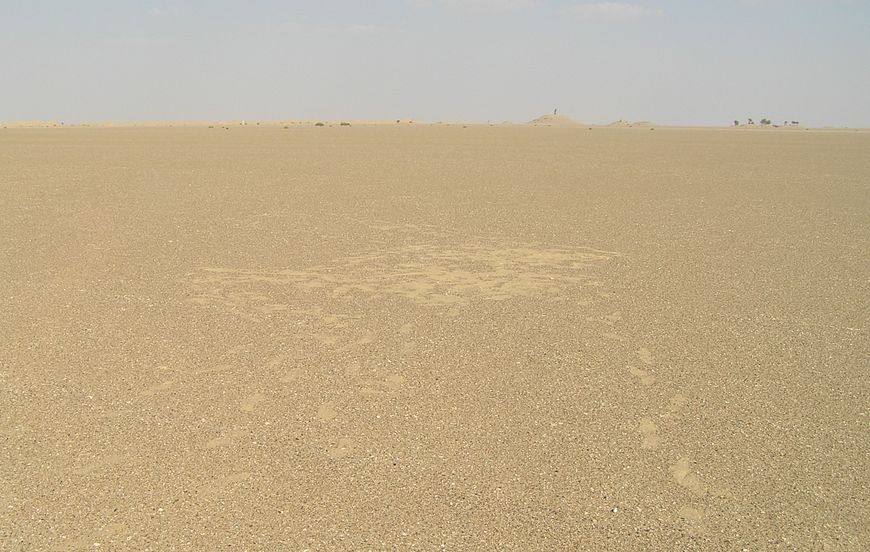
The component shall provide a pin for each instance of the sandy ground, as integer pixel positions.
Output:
(430, 337)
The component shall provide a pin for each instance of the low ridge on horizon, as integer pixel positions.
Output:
(555, 120)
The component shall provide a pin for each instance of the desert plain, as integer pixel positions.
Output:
(434, 337)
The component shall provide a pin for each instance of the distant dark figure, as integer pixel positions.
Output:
(554, 112)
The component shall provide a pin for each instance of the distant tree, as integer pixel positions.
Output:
(765, 121)
(736, 122)
(795, 123)
(751, 122)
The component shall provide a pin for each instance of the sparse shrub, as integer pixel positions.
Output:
(319, 124)
(736, 122)
(765, 122)
(285, 126)
(344, 123)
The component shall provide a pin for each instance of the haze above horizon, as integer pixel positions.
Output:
(668, 61)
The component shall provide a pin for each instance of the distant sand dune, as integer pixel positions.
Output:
(555, 120)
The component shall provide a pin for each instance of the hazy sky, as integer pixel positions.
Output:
(668, 61)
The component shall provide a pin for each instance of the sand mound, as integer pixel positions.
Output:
(555, 120)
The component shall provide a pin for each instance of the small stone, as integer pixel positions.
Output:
(615, 510)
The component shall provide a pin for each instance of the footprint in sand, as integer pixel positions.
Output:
(105, 462)
(291, 376)
(391, 383)
(243, 348)
(115, 529)
(649, 431)
(344, 448)
(224, 483)
(645, 356)
(613, 318)
(686, 477)
(645, 377)
(407, 348)
(325, 338)
(353, 370)
(327, 412)
(251, 402)
(154, 389)
(225, 439)
(277, 361)
(394, 382)
(675, 404)
(692, 515)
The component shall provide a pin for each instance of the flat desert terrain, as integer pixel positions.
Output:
(432, 337)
